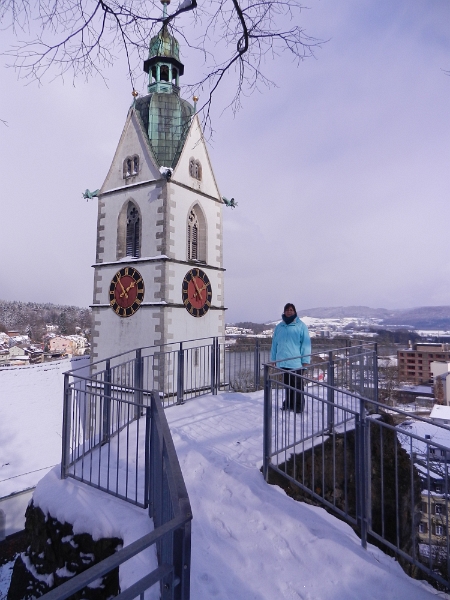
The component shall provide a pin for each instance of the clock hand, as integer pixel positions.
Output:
(196, 287)
(130, 286)
(124, 293)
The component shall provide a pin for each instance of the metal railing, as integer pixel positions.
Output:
(179, 371)
(125, 448)
(375, 466)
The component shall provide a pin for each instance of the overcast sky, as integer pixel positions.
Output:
(342, 173)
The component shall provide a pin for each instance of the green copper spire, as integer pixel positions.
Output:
(165, 115)
(163, 64)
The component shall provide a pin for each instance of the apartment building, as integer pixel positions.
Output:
(414, 363)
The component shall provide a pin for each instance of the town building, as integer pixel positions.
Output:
(414, 364)
(159, 267)
(74, 345)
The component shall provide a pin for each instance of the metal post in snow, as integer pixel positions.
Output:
(363, 472)
(217, 361)
(256, 365)
(330, 392)
(267, 441)
(138, 382)
(106, 425)
(213, 367)
(375, 377)
(66, 427)
(148, 421)
(180, 378)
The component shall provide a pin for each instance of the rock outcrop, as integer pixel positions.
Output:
(54, 555)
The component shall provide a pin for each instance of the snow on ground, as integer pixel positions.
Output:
(30, 422)
(5, 578)
(249, 540)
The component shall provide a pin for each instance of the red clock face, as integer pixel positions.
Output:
(196, 292)
(126, 292)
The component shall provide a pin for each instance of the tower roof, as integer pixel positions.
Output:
(166, 119)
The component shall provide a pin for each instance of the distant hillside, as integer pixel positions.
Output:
(423, 317)
(31, 317)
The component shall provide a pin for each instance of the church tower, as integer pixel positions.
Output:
(159, 269)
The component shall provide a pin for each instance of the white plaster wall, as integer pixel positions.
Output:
(120, 335)
(184, 200)
(195, 147)
(132, 141)
(183, 326)
(148, 199)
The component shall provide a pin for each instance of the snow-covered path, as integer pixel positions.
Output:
(250, 540)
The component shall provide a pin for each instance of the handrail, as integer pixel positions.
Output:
(77, 583)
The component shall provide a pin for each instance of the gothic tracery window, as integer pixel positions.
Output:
(133, 231)
(196, 235)
(192, 236)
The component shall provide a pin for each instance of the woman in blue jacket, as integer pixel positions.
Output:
(291, 349)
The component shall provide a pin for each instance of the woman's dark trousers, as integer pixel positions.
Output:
(295, 399)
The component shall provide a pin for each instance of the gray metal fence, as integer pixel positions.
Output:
(378, 468)
(125, 448)
(179, 371)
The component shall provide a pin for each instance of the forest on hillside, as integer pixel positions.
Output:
(32, 317)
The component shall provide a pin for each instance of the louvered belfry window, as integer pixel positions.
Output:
(192, 236)
(133, 228)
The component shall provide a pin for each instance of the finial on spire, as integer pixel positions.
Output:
(195, 99)
(165, 4)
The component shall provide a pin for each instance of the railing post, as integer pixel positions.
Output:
(138, 382)
(362, 472)
(375, 377)
(362, 357)
(217, 361)
(330, 392)
(256, 365)
(106, 425)
(213, 366)
(66, 427)
(267, 440)
(148, 468)
(180, 378)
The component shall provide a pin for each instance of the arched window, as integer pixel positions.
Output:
(195, 169)
(192, 236)
(196, 234)
(130, 166)
(133, 231)
(129, 228)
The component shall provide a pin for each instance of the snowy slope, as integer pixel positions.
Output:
(30, 422)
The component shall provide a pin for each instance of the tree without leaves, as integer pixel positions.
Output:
(234, 38)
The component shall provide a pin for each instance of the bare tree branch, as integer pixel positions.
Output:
(82, 37)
